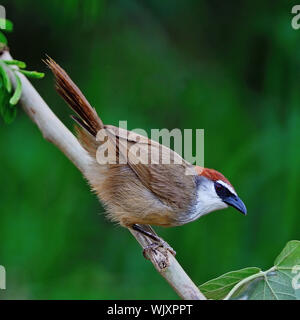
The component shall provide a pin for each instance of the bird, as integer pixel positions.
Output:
(137, 194)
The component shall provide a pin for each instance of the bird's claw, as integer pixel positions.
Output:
(154, 245)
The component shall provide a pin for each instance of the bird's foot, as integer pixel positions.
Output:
(165, 245)
(158, 242)
(155, 245)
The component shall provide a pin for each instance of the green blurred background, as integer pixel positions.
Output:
(229, 67)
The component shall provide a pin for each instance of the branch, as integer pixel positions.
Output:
(55, 131)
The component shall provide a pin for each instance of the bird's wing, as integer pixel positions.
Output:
(167, 175)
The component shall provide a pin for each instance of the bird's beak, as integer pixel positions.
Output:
(237, 203)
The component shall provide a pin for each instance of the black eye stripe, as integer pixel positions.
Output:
(222, 191)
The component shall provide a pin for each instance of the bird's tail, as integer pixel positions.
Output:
(87, 117)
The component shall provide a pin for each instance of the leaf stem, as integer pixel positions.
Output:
(241, 283)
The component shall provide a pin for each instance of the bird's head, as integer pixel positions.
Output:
(215, 192)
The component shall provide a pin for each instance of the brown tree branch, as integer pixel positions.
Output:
(55, 131)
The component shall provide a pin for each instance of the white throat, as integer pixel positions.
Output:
(206, 200)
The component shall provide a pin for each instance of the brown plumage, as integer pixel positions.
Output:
(132, 192)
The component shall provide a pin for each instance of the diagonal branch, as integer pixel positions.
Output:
(55, 131)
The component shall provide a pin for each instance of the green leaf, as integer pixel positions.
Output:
(275, 285)
(17, 63)
(6, 111)
(33, 74)
(289, 256)
(3, 39)
(281, 282)
(6, 24)
(2, 97)
(5, 77)
(17, 94)
(284, 282)
(218, 288)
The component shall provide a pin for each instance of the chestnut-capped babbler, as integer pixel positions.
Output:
(136, 194)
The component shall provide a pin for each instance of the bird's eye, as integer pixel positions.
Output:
(222, 191)
(218, 186)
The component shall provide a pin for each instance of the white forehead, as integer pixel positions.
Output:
(226, 185)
